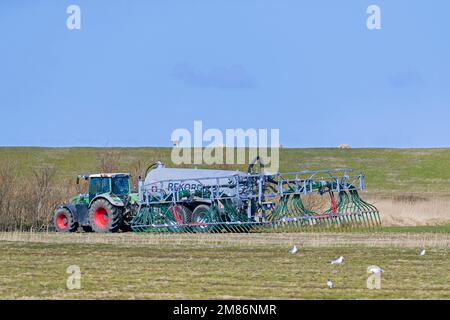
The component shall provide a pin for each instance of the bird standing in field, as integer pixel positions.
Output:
(375, 269)
(422, 253)
(293, 250)
(338, 260)
(329, 284)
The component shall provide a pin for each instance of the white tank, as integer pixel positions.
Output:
(192, 179)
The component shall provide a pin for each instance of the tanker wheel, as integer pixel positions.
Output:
(177, 215)
(104, 217)
(200, 216)
(63, 221)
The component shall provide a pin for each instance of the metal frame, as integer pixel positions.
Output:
(276, 197)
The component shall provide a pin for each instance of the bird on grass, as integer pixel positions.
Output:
(329, 284)
(293, 250)
(338, 260)
(375, 269)
(422, 253)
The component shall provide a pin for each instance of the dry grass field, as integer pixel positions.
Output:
(224, 266)
(426, 211)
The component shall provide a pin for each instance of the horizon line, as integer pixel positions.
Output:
(225, 147)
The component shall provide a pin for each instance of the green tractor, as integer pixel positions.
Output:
(108, 206)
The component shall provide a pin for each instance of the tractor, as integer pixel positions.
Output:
(206, 200)
(108, 206)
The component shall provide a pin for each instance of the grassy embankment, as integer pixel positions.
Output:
(409, 186)
(388, 171)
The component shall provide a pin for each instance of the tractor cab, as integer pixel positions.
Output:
(117, 184)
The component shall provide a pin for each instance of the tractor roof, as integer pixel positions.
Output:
(109, 175)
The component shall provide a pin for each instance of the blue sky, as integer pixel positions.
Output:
(137, 70)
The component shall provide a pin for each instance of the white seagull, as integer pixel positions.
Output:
(375, 269)
(338, 260)
(294, 249)
(330, 284)
(422, 253)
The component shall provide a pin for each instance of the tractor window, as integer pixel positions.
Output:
(98, 186)
(120, 186)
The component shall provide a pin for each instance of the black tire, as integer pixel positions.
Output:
(127, 217)
(126, 227)
(174, 222)
(63, 221)
(104, 217)
(201, 214)
(87, 228)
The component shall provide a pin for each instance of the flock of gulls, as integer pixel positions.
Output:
(339, 260)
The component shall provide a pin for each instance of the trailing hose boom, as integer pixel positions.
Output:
(200, 200)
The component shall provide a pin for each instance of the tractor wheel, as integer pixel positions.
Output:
(104, 217)
(63, 221)
(200, 216)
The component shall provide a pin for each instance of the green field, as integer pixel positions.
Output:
(387, 170)
(130, 266)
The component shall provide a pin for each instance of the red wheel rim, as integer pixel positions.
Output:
(101, 217)
(62, 221)
(177, 215)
